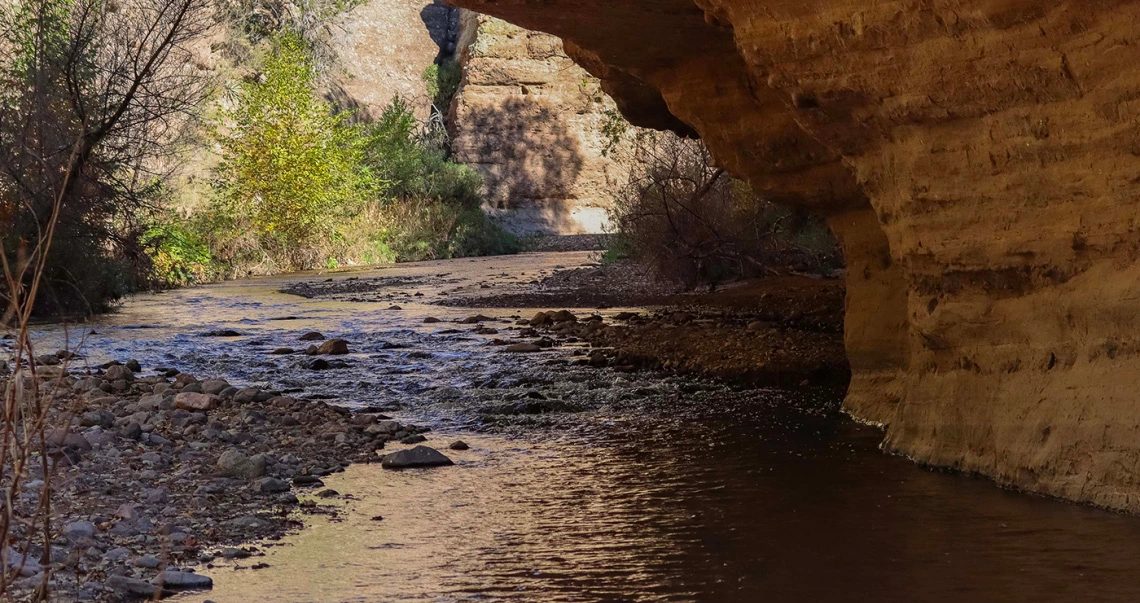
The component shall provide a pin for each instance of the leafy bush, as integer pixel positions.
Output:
(694, 224)
(292, 171)
(414, 162)
(432, 206)
(303, 186)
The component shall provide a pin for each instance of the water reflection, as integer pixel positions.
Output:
(711, 508)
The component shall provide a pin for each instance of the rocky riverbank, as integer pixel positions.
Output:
(161, 473)
(779, 330)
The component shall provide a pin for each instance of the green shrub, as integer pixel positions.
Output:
(442, 82)
(292, 171)
(180, 252)
(414, 163)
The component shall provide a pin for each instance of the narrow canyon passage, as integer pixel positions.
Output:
(635, 486)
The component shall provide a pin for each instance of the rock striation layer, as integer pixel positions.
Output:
(531, 122)
(979, 161)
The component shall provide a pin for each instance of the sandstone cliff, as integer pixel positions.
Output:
(979, 161)
(530, 121)
(382, 48)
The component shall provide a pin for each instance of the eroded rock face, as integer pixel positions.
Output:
(531, 122)
(979, 161)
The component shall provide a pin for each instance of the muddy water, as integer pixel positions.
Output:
(648, 488)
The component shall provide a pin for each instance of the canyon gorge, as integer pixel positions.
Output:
(978, 161)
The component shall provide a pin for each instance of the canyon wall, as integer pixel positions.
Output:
(383, 47)
(980, 161)
(531, 122)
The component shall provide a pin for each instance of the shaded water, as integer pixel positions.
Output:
(657, 489)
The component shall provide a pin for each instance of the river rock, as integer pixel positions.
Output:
(195, 401)
(333, 347)
(119, 372)
(134, 588)
(247, 522)
(459, 445)
(178, 580)
(312, 336)
(523, 348)
(214, 386)
(62, 438)
(147, 561)
(235, 464)
(431, 320)
(420, 456)
(100, 417)
(272, 485)
(79, 531)
(117, 554)
(234, 553)
(48, 360)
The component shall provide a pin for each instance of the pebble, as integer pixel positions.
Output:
(458, 445)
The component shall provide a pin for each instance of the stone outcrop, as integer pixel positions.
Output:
(382, 47)
(979, 160)
(531, 122)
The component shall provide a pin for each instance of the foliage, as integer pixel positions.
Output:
(292, 170)
(415, 163)
(442, 82)
(693, 223)
(92, 104)
(302, 185)
(432, 209)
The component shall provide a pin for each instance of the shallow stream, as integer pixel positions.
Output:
(647, 487)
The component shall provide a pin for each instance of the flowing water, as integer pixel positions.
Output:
(648, 487)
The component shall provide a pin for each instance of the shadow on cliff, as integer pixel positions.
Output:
(442, 25)
(343, 101)
(529, 157)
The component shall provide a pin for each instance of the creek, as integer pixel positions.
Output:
(635, 487)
